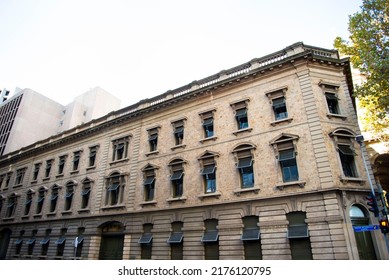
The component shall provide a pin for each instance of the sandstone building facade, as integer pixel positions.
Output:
(255, 162)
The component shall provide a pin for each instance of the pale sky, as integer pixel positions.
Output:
(140, 49)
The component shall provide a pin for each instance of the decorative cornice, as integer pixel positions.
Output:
(223, 79)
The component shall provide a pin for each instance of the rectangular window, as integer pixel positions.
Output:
(53, 199)
(49, 164)
(149, 185)
(60, 242)
(85, 194)
(40, 201)
(146, 242)
(347, 154)
(45, 245)
(92, 156)
(35, 175)
(153, 142)
(208, 127)
(76, 160)
(177, 183)
(242, 119)
(28, 203)
(209, 178)
(210, 239)
(332, 103)
(69, 197)
(179, 133)
(153, 139)
(245, 166)
(279, 108)
(120, 149)
(176, 241)
(251, 238)
(287, 159)
(20, 176)
(61, 164)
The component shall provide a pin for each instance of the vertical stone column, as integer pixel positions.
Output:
(94, 247)
(230, 232)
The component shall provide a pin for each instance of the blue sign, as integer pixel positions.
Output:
(366, 228)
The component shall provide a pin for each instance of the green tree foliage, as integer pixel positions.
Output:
(369, 53)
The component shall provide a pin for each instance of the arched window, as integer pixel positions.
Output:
(364, 240)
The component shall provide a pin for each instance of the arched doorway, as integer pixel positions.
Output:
(5, 236)
(112, 241)
(364, 240)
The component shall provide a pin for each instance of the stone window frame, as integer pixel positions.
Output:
(241, 152)
(153, 135)
(177, 173)
(120, 147)
(40, 201)
(76, 162)
(70, 189)
(238, 107)
(346, 137)
(285, 142)
(333, 89)
(48, 168)
(85, 194)
(207, 119)
(12, 203)
(208, 165)
(115, 182)
(54, 199)
(276, 94)
(19, 178)
(149, 181)
(35, 172)
(92, 156)
(179, 132)
(28, 202)
(61, 165)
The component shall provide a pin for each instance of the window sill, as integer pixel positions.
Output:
(182, 146)
(46, 179)
(86, 210)
(34, 182)
(243, 130)
(25, 217)
(91, 168)
(207, 195)
(274, 123)
(74, 172)
(37, 216)
(147, 203)
(113, 207)
(174, 199)
(59, 175)
(51, 214)
(8, 219)
(346, 180)
(119, 161)
(18, 185)
(152, 153)
(283, 185)
(42, 257)
(330, 116)
(213, 138)
(238, 192)
(67, 212)
(28, 256)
